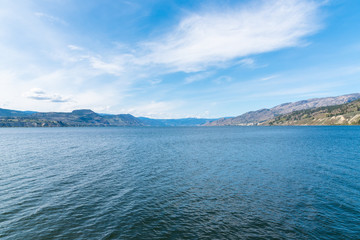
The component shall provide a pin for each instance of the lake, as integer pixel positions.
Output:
(180, 183)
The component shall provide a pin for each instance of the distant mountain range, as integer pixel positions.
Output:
(263, 115)
(86, 118)
(343, 110)
(77, 118)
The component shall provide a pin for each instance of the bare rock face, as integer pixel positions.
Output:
(262, 115)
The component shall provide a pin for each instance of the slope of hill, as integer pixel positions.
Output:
(86, 118)
(77, 118)
(13, 113)
(123, 120)
(262, 115)
(344, 114)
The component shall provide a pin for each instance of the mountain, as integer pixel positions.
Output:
(123, 120)
(77, 118)
(86, 118)
(175, 122)
(263, 115)
(13, 113)
(344, 114)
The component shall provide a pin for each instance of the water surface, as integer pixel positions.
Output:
(180, 183)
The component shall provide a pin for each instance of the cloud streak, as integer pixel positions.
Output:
(207, 39)
(198, 77)
(41, 95)
(50, 18)
(158, 109)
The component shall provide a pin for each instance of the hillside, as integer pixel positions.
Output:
(123, 120)
(344, 114)
(86, 118)
(263, 115)
(13, 113)
(77, 118)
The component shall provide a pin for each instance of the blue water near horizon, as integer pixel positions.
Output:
(180, 183)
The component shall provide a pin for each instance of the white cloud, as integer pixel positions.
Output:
(223, 79)
(155, 81)
(246, 62)
(157, 109)
(198, 77)
(39, 94)
(111, 68)
(267, 78)
(50, 18)
(75, 48)
(207, 39)
(114, 65)
(308, 90)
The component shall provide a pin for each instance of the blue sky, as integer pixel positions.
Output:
(174, 59)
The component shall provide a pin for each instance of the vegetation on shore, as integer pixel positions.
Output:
(77, 118)
(344, 114)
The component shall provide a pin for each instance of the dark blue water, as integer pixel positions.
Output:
(180, 183)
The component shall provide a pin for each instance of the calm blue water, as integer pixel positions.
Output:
(180, 183)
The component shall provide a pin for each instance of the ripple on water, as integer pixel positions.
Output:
(180, 183)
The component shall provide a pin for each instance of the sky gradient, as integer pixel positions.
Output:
(176, 59)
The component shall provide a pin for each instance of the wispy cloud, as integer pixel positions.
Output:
(223, 79)
(198, 77)
(267, 78)
(157, 109)
(246, 62)
(39, 94)
(50, 18)
(155, 81)
(114, 67)
(207, 39)
(75, 48)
